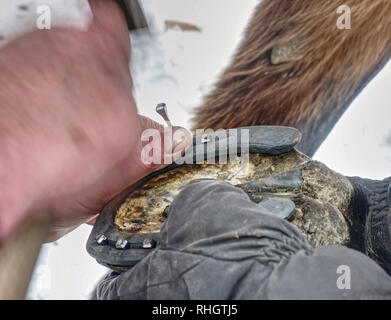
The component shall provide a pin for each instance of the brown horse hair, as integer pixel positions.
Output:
(311, 90)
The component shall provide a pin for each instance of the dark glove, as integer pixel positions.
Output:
(218, 244)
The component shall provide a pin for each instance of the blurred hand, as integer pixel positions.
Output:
(69, 128)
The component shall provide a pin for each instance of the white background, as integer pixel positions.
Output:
(178, 68)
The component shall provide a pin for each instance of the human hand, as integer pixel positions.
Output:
(69, 128)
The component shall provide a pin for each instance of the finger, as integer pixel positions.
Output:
(182, 141)
(147, 123)
(168, 143)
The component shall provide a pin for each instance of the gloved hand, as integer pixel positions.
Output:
(218, 244)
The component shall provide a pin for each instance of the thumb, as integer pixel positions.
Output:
(161, 146)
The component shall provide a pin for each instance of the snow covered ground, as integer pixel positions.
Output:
(178, 67)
